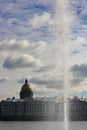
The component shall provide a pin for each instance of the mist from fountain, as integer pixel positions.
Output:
(63, 23)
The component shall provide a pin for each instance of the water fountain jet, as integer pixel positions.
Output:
(63, 31)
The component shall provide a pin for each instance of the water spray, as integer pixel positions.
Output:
(63, 31)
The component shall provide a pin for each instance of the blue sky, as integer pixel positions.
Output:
(34, 37)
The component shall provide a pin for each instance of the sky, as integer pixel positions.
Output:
(45, 42)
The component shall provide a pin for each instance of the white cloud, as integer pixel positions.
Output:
(22, 22)
(43, 90)
(78, 51)
(77, 43)
(14, 45)
(41, 20)
(77, 89)
(39, 47)
(21, 61)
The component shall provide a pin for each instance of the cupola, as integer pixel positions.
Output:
(26, 91)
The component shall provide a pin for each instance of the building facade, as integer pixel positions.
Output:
(29, 108)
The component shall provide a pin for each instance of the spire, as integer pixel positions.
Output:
(26, 81)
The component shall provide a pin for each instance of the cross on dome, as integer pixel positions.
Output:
(26, 81)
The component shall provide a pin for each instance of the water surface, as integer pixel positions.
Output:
(43, 125)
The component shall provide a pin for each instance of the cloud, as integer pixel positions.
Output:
(79, 87)
(78, 43)
(44, 69)
(42, 87)
(79, 70)
(35, 22)
(78, 50)
(41, 20)
(43, 91)
(79, 10)
(3, 79)
(78, 79)
(21, 61)
(22, 80)
(21, 12)
(15, 18)
(49, 83)
(14, 45)
(39, 47)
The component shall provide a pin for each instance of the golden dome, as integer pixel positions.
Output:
(26, 85)
(26, 90)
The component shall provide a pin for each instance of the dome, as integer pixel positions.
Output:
(26, 91)
(26, 86)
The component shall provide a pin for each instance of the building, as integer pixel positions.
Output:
(77, 109)
(27, 108)
(37, 109)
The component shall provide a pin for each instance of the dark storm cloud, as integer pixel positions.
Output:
(79, 70)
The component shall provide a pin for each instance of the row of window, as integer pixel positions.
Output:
(7, 109)
(80, 108)
(26, 108)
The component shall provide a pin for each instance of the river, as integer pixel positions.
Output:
(43, 125)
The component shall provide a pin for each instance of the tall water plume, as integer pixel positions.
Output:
(63, 21)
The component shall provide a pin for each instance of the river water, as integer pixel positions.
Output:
(29, 125)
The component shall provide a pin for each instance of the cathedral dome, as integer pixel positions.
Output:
(26, 86)
(26, 91)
